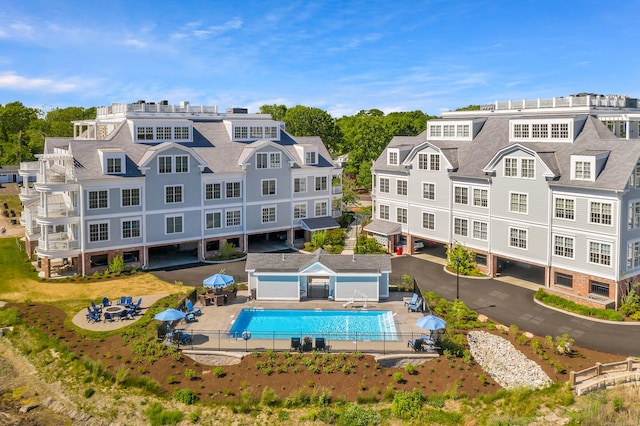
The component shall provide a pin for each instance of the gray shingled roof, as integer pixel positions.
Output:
(383, 227)
(318, 223)
(470, 158)
(297, 262)
(211, 142)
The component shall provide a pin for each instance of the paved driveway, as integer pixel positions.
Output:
(505, 303)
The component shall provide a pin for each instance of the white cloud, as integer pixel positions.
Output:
(10, 80)
(135, 43)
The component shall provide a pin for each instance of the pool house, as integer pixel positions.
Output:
(360, 278)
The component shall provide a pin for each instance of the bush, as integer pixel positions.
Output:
(269, 397)
(158, 416)
(88, 393)
(630, 303)
(407, 405)
(356, 415)
(568, 305)
(186, 396)
(117, 265)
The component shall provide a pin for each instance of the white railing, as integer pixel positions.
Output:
(57, 210)
(30, 166)
(60, 241)
(121, 109)
(596, 101)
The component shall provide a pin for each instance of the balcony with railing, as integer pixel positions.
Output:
(123, 109)
(29, 168)
(56, 242)
(57, 210)
(27, 193)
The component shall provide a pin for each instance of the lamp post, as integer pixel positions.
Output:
(457, 278)
(356, 216)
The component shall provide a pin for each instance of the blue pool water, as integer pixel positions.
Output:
(334, 325)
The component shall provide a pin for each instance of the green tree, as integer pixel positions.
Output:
(277, 111)
(460, 259)
(307, 121)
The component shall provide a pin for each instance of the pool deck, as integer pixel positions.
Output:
(210, 332)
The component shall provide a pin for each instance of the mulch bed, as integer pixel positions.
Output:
(344, 377)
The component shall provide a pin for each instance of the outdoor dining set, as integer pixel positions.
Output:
(109, 311)
(429, 322)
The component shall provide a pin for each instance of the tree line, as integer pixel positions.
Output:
(362, 136)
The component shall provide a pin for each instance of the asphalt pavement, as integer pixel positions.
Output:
(502, 302)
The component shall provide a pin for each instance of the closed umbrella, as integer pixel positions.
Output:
(170, 314)
(218, 280)
(431, 322)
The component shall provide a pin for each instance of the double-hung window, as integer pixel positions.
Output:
(212, 191)
(99, 232)
(384, 185)
(565, 208)
(130, 228)
(480, 197)
(480, 230)
(300, 184)
(600, 212)
(633, 255)
(173, 194)
(600, 253)
(518, 238)
(262, 160)
(428, 221)
(563, 246)
(300, 211)
(98, 199)
(182, 164)
(130, 197)
(321, 183)
(527, 168)
(321, 209)
(461, 226)
(461, 195)
(268, 214)
(634, 215)
(233, 217)
(268, 187)
(274, 160)
(511, 167)
(173, 224)
(428, 191)
(114, 165)
(401, 215)
(213, 220)
(401, 187)
(518, 203)
(383, 212)
(165, 164)
(232, 190)
(423, 161)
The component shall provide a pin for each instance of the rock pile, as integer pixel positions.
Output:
(504, 363)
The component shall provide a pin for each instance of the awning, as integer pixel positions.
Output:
(319, 223)
(383, 227)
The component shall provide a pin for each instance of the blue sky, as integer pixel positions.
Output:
(340, 56)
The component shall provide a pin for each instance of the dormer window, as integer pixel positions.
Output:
(392, 157)
(550, 130)
(582, 170)
(449, 129)
(252, 131)
(145, 133)
(114, 165)
(178, 132)
(311, 157)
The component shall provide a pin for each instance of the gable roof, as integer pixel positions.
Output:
(298, 262)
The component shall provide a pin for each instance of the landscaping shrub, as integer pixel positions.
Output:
(186, 396)
(568, 305)
(630, 304)
(158, 416)
(356, 415)
(407, 405)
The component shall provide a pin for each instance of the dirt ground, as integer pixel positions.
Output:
(10, 230)
(344, 376)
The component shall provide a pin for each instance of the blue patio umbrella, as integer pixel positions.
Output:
(218, 280)
(431, 322)
(170, 314)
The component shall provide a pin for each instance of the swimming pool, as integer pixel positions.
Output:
(334, 325)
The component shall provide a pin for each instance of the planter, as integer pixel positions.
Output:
(307, 347)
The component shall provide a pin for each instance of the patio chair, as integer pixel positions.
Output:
(417, 345)
(108, 317)
(123, 300)
(96, 308)
(321, 345)
(296, 344)
(191, 309)
(415, 307)
(123, 315)
(128, 301)
(190, 317)
(92, 316)
(106, 302)
(185, 338)
(135, 306)
(413, 300)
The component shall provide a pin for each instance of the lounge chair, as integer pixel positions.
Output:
(135, 306)
(321, 345)
(128, 301)
(417, 345)
(415, 307)
(296, 344)
(413, 300)
(105, 301)
(185, 338)
(191, 309)
(123, 300)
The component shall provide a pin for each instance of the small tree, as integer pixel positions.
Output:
(460, 259)
(227, 250)
(630, 303)
(117, 265)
